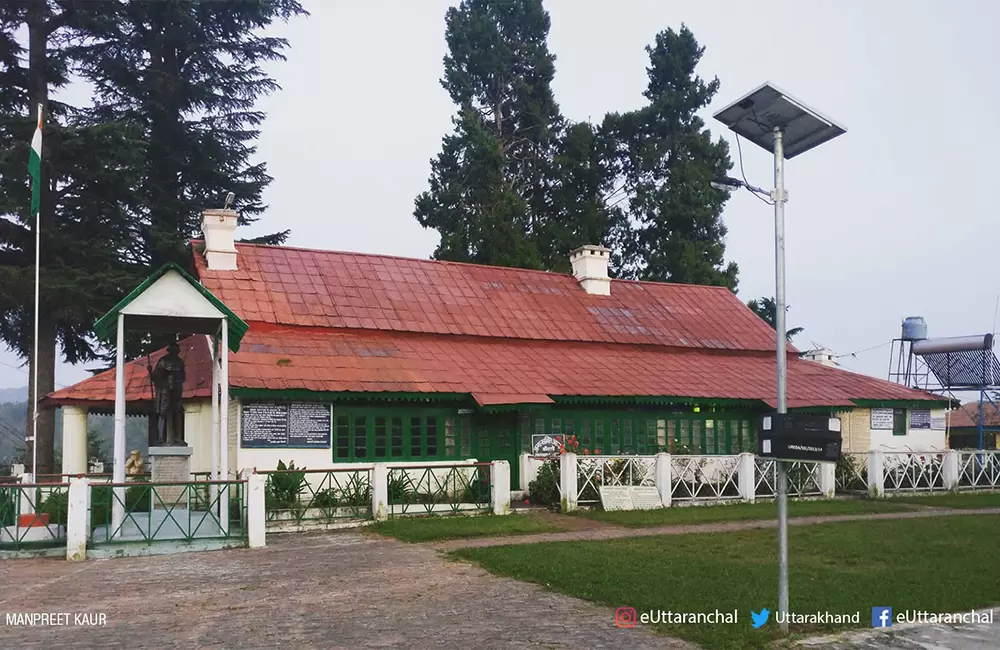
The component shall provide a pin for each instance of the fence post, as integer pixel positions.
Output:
(949, 470)
(256, 510)
(876, 474)
(567, 481)
(529, 471)
(500, 487)
(664, 483)
(380, 492)
(27, 505)
(748, 477)
(828, 479)
(77, 523)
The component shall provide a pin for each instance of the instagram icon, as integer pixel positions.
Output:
(625, 617)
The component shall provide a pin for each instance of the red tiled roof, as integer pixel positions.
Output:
(967, 416)
(99, 390)
(344, 322)
(312, 288)
(515, 371)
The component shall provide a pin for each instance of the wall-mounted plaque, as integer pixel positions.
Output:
(305, 426)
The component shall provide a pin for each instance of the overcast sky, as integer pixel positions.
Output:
(895, 218)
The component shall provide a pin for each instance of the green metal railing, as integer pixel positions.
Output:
(423, 489)
(33, 515)
(167, 511)
(317, 495)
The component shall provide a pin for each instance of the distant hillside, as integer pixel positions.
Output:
(14, 394)
(13, 426)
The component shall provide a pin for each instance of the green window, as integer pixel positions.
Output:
(360, 438)
(899, 422)
(416, 438)
(432, 436)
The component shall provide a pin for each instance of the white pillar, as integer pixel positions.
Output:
(74, 440)
(828, 479)
(224, 423)
(748, 477)
(77, 521)
(500, 487)
(876, 474)
(664, 480)
(568, 481)
(27, 495)
(118, 468)
(949, 470)
(256, 513)
(214, 433)
(529, 470)
(380, 492)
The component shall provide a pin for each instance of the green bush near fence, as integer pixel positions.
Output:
(8, 505)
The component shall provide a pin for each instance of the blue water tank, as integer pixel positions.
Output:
(914, 329)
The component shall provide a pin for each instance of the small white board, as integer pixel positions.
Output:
(646, 498)
(617, 497)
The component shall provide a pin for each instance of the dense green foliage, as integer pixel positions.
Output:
(170, 131)
(767, 309)
(516, 184)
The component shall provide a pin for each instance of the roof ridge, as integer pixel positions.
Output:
(306, 249)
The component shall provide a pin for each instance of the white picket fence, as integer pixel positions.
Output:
(691, 480)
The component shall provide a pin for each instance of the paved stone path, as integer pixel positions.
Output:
(616, 532)
(325, 591)
(980, 636)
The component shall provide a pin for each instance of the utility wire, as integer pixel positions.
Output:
(739, 150)
(22, 370)
(855, 354)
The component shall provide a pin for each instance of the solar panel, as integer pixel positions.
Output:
(966, 369)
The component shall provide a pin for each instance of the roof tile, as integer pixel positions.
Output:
(312, 288)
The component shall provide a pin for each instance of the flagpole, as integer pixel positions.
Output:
(34, 356)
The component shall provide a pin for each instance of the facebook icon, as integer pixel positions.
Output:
(881, 616)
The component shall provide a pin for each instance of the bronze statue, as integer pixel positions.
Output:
(168, 381)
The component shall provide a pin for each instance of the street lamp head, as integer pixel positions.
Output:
(756, 115)
(722, 187)
(727, 183)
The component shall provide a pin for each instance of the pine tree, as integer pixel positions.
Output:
(490, 186)
(665, 160)
(580, 209)
(84, 196)
(767, 310)
(188, 73)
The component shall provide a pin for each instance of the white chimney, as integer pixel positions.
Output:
(219, 227)
(590, 268)
(821, 356)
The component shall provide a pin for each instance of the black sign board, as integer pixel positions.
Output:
(305, 426)
(545, 445)
(795, 436)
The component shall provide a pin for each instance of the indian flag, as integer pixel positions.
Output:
(35, 165)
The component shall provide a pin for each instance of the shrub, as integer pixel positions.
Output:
(284, 488)
(56, 506)
(544, 490)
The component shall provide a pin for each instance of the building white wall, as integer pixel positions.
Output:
(914, 440)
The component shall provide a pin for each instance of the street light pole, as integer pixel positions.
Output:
(784, 126)
(781, 347)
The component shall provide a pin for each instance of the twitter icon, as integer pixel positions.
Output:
(759, 618)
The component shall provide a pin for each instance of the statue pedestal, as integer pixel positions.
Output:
(170, 465)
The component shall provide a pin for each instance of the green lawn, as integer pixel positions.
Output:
(434, 528)
(961, 501)
(937, 565)
(739, 512)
